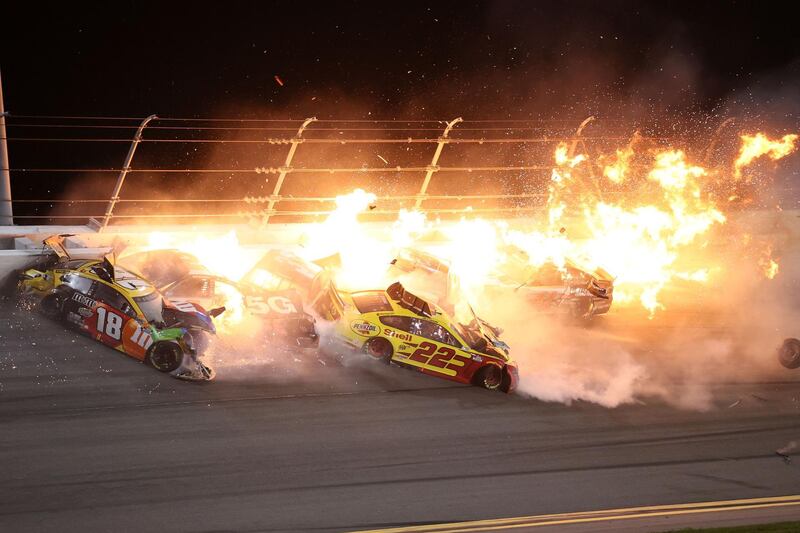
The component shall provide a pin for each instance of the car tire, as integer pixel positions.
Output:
(52, 306)
(789, 353)
(380, 349)
(489, 377)
(165, 356)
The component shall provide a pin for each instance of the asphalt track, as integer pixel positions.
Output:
(91, 440)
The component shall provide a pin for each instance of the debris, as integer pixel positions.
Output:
(786, 458)
(382, 159)
(759, 398)
(734, 404)
(786, 449)
(372, 206)
(278, 80)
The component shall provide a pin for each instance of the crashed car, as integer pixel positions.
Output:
(396, 326)
(179, 275)
(399, 327)
(284, 270)
(120, 309)
(567, 290)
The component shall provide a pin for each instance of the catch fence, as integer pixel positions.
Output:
(66, 169)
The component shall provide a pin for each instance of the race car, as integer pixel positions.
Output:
(120, 309)
(284, 270)
(399, 327)
(179, 275)
(567, 290)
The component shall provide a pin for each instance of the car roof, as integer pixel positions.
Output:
(141, 288)
(437, 314)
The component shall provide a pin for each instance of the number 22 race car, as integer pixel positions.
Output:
(121, 310)
(399, 327)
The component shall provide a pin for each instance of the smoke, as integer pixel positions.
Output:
(726, 333)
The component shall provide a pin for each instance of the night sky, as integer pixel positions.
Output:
(393, 59)
(683, 64)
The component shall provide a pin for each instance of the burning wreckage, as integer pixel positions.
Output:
(159, 317)
(152, 305)
(120, 309)
(567, 290)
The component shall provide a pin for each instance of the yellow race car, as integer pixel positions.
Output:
(120, 309)
(396, 326)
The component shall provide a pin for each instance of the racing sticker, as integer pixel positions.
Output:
(136, 340)
(364, 328)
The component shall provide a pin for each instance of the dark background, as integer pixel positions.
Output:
(393, 60)
(667, 67)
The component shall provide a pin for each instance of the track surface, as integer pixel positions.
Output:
(91, 440)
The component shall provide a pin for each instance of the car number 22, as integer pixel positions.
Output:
(437, 356)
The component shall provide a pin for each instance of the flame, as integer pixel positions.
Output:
(769, 266)
(223, 256)
(647, 225)
(755, 146)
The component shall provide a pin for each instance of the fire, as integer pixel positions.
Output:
(755, 146)
(649, 234)
(769, 266)
(223, 256)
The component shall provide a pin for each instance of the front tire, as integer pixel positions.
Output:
(52, 306)
(380, 349)
(165, 357)
(489, 377)
(789, 353)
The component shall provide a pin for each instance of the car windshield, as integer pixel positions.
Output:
(152, 306)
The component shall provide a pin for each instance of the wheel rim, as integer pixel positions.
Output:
(492, 379)
(165, 358)
(378, 349)
(790, 353)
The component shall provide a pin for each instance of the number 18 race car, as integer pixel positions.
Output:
(397, 326)
(121, 310)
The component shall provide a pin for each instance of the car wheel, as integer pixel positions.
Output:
(52, 306)
(489, 377)
(789, 354)
(379, 348)
(165, 357)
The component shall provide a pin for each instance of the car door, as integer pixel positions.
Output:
(428, 346)
(115, 322)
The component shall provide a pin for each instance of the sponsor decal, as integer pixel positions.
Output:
(397, 334)
(477, 358)
(364, 328)
(83, 299)
(85, 312)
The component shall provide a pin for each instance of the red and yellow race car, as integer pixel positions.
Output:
(399, 327)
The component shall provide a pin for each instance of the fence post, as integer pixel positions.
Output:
(578, 133)
(6, 209)
(124, 172)
(286, 168)
(432, 167)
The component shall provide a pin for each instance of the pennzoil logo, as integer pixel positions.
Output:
(364, 328)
